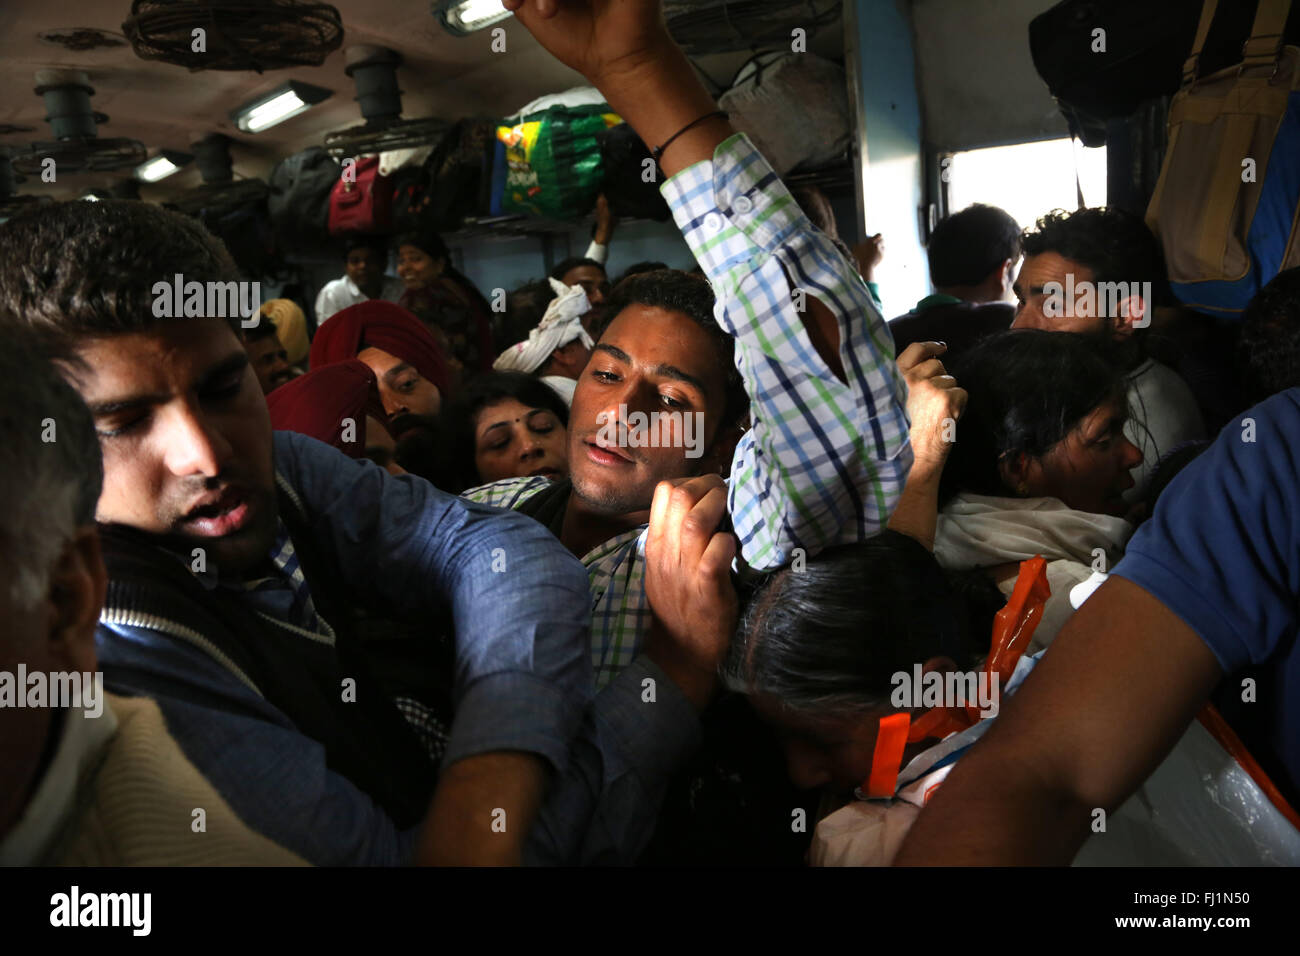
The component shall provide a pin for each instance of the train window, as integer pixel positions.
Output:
(1027, 179)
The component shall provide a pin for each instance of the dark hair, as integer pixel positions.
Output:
(1027, 389)
(1268, 348)
(816, 207)
(1114, 244)
(825, 640)
(76, 270)
(50, 468)
(572, 263)
(354, 241)
(264, 329)
(525, 309)
(637, 268)
(430, 243)
(966, 247)
(692, 296)
(460, 419)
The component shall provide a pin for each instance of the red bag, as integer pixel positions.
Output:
(364, 204)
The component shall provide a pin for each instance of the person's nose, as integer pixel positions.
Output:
(1131, 455)
(193, 447)
(531, 447)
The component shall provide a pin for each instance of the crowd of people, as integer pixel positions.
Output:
(413, 581)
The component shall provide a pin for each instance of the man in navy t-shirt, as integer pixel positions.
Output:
(1207, 587)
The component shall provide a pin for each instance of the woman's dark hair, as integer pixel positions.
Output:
(430, 243)
(826, 639)
(460, 418)
(1027, 388)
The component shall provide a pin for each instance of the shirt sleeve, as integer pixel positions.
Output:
(603, 810)
(518, 597)
(324, 305)
(1220, 550)
(597, 251)
(824, 461)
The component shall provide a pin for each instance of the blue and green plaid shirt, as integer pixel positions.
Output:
(824, 461)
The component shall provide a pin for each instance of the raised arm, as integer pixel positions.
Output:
(828, 453)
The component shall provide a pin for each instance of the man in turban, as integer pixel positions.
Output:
(408, 365)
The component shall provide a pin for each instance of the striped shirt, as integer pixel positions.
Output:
(824, 461)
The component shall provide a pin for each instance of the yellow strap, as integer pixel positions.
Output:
(1202, 31)
(1265, 41)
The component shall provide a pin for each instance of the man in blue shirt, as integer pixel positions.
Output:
(239, 560)
(1208, 586)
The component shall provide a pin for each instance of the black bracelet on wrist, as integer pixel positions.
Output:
(658, 151)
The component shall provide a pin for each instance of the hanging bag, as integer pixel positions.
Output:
(361, 200)
(1225, 206)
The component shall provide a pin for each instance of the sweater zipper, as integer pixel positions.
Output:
(153, 622)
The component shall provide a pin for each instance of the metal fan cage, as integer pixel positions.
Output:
(255, 35)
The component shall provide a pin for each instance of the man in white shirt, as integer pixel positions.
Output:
(364, 261)
(1093, 271)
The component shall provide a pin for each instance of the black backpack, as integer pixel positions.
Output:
(629, 195)
(299, 203)
(246, 230)
(1146, 45)
(459, 175)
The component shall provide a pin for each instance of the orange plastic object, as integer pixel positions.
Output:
(891, 738)
(1014, 625)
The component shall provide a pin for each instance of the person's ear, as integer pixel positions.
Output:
(78, 584)
(1015, 469)
(1132, 313)
(1007, 275)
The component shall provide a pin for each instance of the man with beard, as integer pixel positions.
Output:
(240, 562)
(1093, 271)
(268, 357)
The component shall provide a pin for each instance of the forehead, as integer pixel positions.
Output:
(652, 336)
(413, 252)
(1100, 417)
(380, 362)
(167, 358)
(503, 410)
(583, 274)
(1051, 267)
